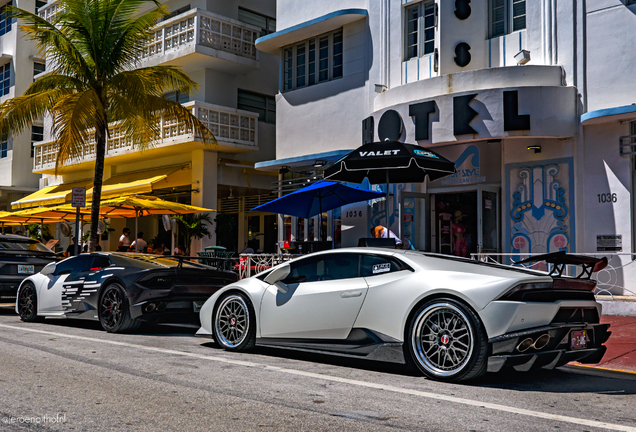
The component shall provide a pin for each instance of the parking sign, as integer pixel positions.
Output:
(78, 197)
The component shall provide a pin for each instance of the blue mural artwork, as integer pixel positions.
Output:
(541, 219)
(468, 168)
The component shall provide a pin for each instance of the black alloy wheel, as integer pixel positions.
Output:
(28, 303)
(114, 312)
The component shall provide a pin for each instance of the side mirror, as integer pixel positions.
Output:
(278, 274)
(49, 269)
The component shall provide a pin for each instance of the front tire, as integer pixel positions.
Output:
(114, 310)
(447, 341)
(234, 324)
(28, 303)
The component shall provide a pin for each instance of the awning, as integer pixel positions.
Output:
(606, 115)
(317, 26)
(308, 160)
(145, 182)
(49, 195)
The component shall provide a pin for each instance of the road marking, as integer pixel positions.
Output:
(428, 395)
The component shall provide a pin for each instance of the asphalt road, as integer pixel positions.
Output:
(71, 375)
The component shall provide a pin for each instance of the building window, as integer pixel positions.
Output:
(38, 5)
(5, 79)
(313, 61)
(176, 12)
(264, 105)
(5, 19)
(38, 68)
(37, 134)
(507, 16)
(4, 146)
(420, 30)
(178, 96)
(266, 24)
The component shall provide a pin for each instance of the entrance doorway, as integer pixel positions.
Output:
(455, 223)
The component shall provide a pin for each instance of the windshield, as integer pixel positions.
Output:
(24, 246)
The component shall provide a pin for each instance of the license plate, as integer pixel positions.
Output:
(196, 305)
(578, 339)
(26, 269)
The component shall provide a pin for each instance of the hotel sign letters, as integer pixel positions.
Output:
(390, 126)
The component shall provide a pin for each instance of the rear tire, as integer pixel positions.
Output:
(28, 303)
(114, 310)
(234, 323)
(447, 341)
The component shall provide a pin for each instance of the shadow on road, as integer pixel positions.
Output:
(562, 380)
(145, 329)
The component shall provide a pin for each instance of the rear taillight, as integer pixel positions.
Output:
(574, 284)
(517, 291)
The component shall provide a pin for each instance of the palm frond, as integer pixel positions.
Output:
(53, 43)
(18, 113)
(75, 116)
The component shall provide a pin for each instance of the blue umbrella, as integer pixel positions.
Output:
(317, 198)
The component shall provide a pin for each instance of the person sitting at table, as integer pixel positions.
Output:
(382, 232)
(140, 242)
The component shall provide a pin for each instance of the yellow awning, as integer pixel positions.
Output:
(139, 183)
(49, 195)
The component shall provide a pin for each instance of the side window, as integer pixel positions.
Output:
(373, 265)
(66, 266)
(99, 262)
(325, 267)
(82, 263)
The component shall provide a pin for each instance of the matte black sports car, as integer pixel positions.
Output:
(20, 257)
(120, 290)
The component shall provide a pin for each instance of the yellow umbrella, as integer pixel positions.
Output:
(139, 205)
(52, 214)
(5, 219)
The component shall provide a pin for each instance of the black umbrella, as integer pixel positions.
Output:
(390, 162)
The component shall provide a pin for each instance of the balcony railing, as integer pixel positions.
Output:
(195, 26)
(231, 127)
(49, 11)
(204, 28)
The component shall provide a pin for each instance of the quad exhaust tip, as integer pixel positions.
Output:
(538, 344)
(150, 307)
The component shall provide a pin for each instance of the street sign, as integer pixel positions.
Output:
(78, 197)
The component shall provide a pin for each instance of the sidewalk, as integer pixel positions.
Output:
(621, 346)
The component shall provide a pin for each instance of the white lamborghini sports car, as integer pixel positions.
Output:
(453, 318)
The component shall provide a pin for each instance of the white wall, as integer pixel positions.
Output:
(327, 116)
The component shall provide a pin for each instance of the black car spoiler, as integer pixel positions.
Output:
(561, 259)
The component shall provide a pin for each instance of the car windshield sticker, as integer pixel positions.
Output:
(381, 268)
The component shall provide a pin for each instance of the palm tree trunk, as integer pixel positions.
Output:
(100, 153)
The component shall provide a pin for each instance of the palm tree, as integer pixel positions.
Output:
(94, 48)
(193, 226)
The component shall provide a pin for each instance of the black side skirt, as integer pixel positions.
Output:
(361, 343)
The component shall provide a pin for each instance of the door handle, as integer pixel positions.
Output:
(350, 294)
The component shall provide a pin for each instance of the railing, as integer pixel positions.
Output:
(204, 28)
(253, 264)
(618, 278)
(207, 29)
(49, 11)
(228, 125)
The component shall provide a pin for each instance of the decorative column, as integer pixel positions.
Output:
(204, 191)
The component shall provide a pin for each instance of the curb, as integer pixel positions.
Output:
(618, 373)
(618, 305)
